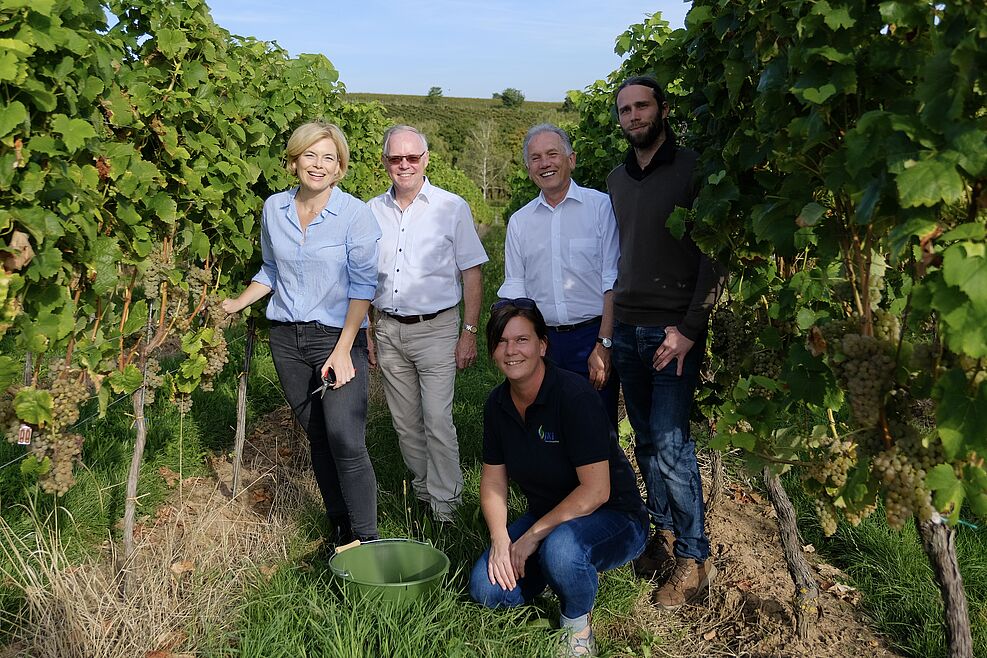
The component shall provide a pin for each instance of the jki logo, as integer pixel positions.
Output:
(547, 437)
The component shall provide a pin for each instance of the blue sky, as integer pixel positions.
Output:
(468, 47)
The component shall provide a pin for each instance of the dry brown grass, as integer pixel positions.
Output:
(193, 563)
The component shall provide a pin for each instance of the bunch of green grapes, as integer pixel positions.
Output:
(214, 312)
(832, 462)
(925, 452)
(886, 326)
(860, 512)
(834, 330)
(216, 357)
(199, 279)
(183, 402)
(68, 391)
(65, 451)
(904, 487)
(155, 273)
(152, 380)
(729, 338)
(766, 363)
(826, 512)
(9, 421)
(866, 374)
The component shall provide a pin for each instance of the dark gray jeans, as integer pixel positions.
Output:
(336, 424)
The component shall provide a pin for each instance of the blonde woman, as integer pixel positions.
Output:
(319, 247)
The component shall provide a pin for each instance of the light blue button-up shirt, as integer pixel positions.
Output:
(315, 273)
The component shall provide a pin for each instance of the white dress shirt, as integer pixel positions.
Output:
(423, 249)
(565, 257)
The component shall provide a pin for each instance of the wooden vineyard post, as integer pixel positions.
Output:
(241, 407)
(939, 542)
(140, 427)
(716, 475)
(806, 601)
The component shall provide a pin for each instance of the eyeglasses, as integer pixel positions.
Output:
(396, 159)
(523, 303)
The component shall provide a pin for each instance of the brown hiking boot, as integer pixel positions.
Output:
(689, 583)
(658, 559)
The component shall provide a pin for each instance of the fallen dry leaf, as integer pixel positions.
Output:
(182, 567)
(259, 495)
(809, 548)
(20, 252)
(744, 585)
(710, 635)
(170, 639)
(268, 571)
(844, 592)
(170, 477)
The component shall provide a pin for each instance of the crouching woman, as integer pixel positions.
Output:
(546, 430)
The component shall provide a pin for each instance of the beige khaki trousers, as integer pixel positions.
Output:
(418, 364)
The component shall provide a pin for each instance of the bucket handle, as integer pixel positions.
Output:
(342, 573)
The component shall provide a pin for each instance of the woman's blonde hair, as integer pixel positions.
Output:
(309, 133)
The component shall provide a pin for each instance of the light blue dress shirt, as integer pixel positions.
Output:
(315, 273)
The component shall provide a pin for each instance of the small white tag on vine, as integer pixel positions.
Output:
(24, 435)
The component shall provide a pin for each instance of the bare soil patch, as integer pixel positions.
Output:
(749, 613)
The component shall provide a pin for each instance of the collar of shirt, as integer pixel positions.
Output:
(291, 211)
(664, 155)
(548, 385)
(575, 192)
(424, 194)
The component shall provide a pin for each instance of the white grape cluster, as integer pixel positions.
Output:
(183, 402)
(866, 373)
(729, 338)
(216, 358)
(152, 380)
(904, 486)
(886, 326)
(833, 461)
(155, 274)
(63, 449)
(826, 513)
(766, 363)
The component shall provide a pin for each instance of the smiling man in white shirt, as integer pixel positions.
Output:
(430, 258)
(562, 251)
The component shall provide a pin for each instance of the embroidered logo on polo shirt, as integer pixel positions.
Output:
(547, 437)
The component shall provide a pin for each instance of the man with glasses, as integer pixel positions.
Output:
(561, 250)
(665, 290)
(430, 257)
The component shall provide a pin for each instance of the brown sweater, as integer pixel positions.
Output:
(661, 281)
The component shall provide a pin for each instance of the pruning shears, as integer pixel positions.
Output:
(328, 381)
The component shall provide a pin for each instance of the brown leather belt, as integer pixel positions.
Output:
(562, 328)
(415, 319)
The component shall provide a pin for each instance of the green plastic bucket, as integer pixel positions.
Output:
(398, 570)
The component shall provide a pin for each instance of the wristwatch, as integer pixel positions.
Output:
(471, 328)
(606, 342)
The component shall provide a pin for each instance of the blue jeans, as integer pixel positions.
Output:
(571, 350)
(335, 424)
(658, 406)
(567, 560)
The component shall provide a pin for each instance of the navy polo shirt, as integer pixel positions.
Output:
(565, 427)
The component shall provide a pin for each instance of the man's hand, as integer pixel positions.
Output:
(465, 350)
(599, 366)
(675, 346)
